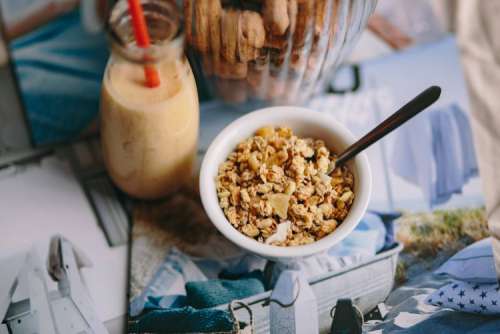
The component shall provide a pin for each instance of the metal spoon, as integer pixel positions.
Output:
(412, 108)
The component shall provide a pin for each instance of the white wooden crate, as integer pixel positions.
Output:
(367, 284)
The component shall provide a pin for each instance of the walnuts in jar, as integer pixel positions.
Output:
(280, 189)
(249, 42)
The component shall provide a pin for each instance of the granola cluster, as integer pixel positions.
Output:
(284, 190)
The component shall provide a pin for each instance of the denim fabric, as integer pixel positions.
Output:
(169, 280)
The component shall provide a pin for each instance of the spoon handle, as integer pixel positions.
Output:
(412, 108)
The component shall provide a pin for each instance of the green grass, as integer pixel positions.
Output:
(442, 232)
(425, 235)
(401, 272)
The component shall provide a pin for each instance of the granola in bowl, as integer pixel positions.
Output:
(283, 190)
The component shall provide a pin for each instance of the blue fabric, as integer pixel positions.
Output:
(412, 157)
(182, 320)
(210, 293)
(368, 238)
(388, 218)
(468, 297)
(474, 263)
(436, 153)
(169, 280)
(469, 161)
(163, 302)
(374, 233)
(247, 263)
(447, 154)
(242, 263)
(60, 68)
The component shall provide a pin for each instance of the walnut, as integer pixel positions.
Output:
(201, 25)
(320, 15)
(251, 36)
(305, 21)
(230, 32)
(214, 15)
(188, 6)
(275, 14)
(248, 41)
(226, 70)
(293, 9)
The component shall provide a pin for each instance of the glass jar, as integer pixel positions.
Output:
(271, 51)
(149, 135)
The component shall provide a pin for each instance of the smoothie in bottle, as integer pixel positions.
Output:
(149, 135)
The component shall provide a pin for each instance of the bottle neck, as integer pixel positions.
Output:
(164, 28)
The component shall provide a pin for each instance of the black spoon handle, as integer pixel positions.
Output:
(412, 108)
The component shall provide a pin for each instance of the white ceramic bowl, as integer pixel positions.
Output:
(304, 123)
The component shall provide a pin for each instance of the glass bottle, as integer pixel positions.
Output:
(149, 135)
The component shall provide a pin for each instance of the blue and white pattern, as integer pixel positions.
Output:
(167, 284)
(468, 297)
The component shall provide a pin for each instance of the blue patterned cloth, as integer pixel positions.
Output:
(167, 284)
(468, 297)
(60, 68)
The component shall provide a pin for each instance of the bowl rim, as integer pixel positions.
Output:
(253, 120)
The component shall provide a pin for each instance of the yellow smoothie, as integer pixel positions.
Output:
(149, 135)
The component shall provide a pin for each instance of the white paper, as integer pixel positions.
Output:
(46, 199)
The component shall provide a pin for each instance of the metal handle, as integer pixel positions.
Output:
(406, 112)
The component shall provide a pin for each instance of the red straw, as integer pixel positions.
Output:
(142, 40)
